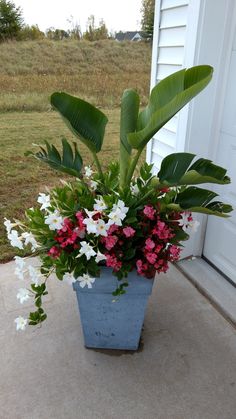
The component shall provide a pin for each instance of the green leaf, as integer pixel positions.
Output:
(84, 120)
(70, 162)
(194, 197)
(174, 166)
(175, 171)
(128, 122)
(166, 99)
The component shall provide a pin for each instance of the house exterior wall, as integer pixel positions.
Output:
(206, 28)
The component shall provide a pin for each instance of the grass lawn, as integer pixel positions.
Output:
(22, 178)
(29, 72)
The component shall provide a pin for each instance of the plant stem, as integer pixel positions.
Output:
(98, 166)
(133, 166)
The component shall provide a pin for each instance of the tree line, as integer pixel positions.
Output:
(13, 27)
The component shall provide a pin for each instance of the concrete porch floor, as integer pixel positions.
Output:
(186, 368)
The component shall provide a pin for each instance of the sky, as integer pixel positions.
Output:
(118, 14)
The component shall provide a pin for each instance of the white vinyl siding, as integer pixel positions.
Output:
(168, 56)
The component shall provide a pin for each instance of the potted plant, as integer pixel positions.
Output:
(108, 232)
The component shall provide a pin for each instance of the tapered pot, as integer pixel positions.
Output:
(109, 322)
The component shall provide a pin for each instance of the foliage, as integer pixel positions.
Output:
(30, 33)
(112, 217)
(11, 21)
(56, 34)
(147, 21)
(94, 33)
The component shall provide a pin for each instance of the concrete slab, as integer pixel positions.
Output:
(186, 368)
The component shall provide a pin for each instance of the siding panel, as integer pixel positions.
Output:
(172, 37)
(169, 4)
(169, 53)
(172, 18)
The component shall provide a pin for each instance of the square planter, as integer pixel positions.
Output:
(109, 322)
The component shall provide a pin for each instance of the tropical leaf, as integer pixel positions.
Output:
(200, 200)
(128, 123)
(69, 162)
(176, 171)
(166, 99)
(84, 120)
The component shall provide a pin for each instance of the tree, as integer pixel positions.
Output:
(56, 34)
(147, 22)
(11, 20)
(30, 33)
(94, 33)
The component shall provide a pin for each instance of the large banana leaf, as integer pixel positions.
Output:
(176, 171)
(128, 123)
(69, 162)
(166, 99)
(84, 120)
(200, 200)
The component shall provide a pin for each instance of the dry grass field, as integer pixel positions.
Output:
(29, 73)
(97, 71)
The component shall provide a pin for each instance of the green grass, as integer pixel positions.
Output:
(29, 72)
(22, 178)
(97, 71)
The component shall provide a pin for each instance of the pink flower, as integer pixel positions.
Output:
(110, 242)
(149, 211)
(151, 257)
(128, 231)
(112, 262)
(112, 229)
(54, 252)
(149, 245)
(174, 252)
(162, 231)
(158, 248)
(141, 267)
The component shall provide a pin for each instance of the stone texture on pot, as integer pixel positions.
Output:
(109, 322)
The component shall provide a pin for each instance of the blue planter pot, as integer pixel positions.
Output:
(108, 324)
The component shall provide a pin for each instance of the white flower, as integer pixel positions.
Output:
(121, 205)
(93, 185)
(20, 323)
(90, 214)
(69, 278)
(100, 205)
(44, 200)
(86, 280)
(23, 295)
(102, 228)
(88, 171)
(114, 218)
(8, 224)
(184, 222)
(86, 250)
(54, 220)
(91, 225)
(20, 262)
(29, 239)
(134, 189)
(100, 257)
(34, 274)
(14, 239)
(118, 213)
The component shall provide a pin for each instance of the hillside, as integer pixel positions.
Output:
(97, 71)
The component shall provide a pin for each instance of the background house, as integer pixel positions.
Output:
(187, 33)
(129, 36)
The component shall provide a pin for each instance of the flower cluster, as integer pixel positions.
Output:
(76, 230)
